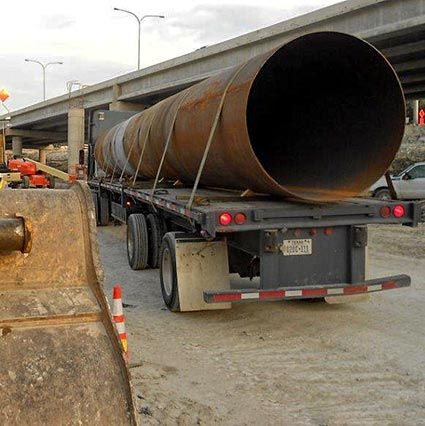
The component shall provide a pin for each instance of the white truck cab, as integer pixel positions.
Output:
(409, 184)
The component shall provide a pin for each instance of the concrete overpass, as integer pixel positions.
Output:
(396, 27)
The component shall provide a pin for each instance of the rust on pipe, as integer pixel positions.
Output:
(320, 119)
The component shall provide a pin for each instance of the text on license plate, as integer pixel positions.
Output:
(296, 247)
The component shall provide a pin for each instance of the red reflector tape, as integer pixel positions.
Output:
(389, 285)
(272, 294)
(291, 293)
(226, 297)
(315, 292)
(356, 289)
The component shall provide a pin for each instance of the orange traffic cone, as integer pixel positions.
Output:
(118, 316)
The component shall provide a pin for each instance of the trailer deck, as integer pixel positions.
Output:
(261, 211)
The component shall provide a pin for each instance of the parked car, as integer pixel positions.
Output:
(409, 184)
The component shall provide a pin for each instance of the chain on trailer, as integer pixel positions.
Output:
(61, 360)
(211, 136)
(390, 185)
(167, 144)
(115, 165)
(143, 149)
(109, 156)
(136, 140)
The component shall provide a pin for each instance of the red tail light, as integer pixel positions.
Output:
(328, 231)
(385, 211)
(225, 219)
(240, 218)
(399, 211)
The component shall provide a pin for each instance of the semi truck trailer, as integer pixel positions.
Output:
(256, 171)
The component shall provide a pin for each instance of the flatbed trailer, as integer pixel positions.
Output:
(298, 250)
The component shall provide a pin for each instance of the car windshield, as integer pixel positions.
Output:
(413, 170)
(417, 172)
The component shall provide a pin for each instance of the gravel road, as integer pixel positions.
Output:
(285, 363)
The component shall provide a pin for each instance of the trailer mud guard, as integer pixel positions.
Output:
(200, 265)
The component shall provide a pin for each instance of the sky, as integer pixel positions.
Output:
(96, 43)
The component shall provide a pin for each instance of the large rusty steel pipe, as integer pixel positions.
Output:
(320, 119)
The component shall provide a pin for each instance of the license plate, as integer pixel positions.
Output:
(296, 247)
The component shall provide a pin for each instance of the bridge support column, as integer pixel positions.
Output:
(17, 145)
(42, 155)
(75, 137)
(415, 108)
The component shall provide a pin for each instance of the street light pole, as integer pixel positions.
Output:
(139, 23)
(44, 66)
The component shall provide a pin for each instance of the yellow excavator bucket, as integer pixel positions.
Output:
(61, 362)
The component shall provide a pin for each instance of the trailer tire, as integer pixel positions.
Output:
(104, 213)
(137, 242)
(156, 231)
(168, 274)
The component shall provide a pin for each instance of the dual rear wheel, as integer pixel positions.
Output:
(144, 236)
(149, 246)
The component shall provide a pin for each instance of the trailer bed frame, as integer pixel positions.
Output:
(263, 212)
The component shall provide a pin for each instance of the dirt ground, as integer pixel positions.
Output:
(280, 363)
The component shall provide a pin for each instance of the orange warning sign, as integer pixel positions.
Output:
(421, 118)
(3, 95)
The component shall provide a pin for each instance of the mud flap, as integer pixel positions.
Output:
(201, 265)
(61, 361)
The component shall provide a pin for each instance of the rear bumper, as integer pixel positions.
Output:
(310, 292)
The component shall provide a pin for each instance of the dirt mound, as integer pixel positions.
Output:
(412, 149)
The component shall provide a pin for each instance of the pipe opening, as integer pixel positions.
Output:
(325, 116)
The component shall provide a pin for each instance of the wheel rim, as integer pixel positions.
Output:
(167, 271)
(385, 197)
